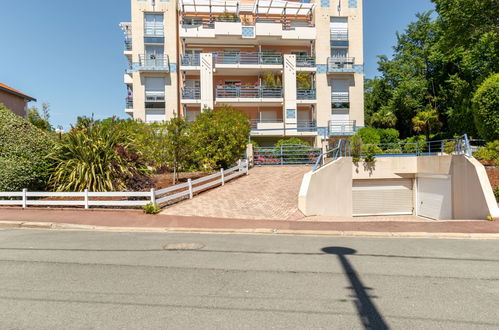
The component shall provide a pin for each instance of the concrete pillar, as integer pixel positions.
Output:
(206, 81)
(289, 84)
(250, 155)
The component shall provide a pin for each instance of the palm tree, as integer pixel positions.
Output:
(425, 121)
(384, 118)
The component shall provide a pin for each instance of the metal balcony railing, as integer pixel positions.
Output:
(154, 61)
(338, 127)
(154, 96)
(128, 44)
(340, 97)
(191, 93)
(247, 92)
(339, 35)
(305, 61)
(306, 94)
(191, 60)
(129, 102)
(306, 125)
(340, 62)
(248, 58)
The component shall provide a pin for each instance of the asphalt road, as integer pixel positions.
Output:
(85, 280)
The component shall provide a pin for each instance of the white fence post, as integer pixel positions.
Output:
(223, 176)
(246, 167)
(25, 198)
(239, 165)
(86, 199)
(153, 196)
(190, 188)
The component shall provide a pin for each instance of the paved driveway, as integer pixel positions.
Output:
(268, 193)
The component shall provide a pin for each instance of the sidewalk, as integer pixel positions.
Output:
(135, 220)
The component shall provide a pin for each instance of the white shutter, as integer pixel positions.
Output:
(155, 84)
(340, 115)
(382, 197)
(435, 197)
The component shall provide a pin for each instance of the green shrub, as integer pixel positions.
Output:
(486, 108)
(151, 208)
(450, 147)
(369, 135)
(415, 144)
(102, 157)
(292, 140)
(219, 137)
(370, 153)
(388, 135)
(496, 193)
(355, 147)
(23, 150)
(489, 153)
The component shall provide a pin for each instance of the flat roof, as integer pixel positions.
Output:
(13, 91)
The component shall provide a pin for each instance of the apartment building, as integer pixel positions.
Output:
(294, 68)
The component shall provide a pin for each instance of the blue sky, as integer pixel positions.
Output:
(70, 53)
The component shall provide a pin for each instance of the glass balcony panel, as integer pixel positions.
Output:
(306, 94)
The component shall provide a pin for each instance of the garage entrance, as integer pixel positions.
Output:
(434, 197)
(383, 197)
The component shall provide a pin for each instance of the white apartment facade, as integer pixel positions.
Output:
(294, 68)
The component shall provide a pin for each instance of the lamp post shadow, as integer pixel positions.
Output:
(368, 313)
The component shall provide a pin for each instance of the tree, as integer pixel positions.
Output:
(177, 142)
(385, 118)
(425, 121)
(23, 151)
(40, 120)
(486, 108)
(219, 137)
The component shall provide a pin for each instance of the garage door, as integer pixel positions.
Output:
(435, 197)
(382, 197)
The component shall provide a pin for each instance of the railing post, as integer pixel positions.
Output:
(222, 176)
(190, 188)
(25, 198)
(246, 166)
(282, 158)
(468, 147)
(153, 196)
(85, 198)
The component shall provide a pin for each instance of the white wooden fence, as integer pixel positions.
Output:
(128, 199)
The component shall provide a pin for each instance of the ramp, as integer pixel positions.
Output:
(267, 193)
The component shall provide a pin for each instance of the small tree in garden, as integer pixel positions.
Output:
(40, 120)
(177, 142)
(219, 137)
(426, 121)
(486, 108)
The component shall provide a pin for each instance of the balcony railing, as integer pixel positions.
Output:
(247, 92)
(305, 61)
(306, 94)
(254, 122)
(342, 127)
(154, 96)
(191, 93)
(154, 61)
(129, 102)
(248, 58)
(191, 60)
(340, 97)
(339, 35)
(128, 44)
(340, 62)
(306, 125)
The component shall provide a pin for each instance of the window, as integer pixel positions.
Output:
(193, 21)
(339, 28)
(153, 25)
(339, 52)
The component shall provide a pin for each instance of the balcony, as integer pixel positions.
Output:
(264, 124)
(191, 60)
(247, 92)
(305, 61)
(306, 94)
(340, 100)
(153, 63)
(248, 58)
(276, 127)
(155, 96)
(191, 93)
(342, 127)
(341, 64)
(129, 102)
(128, 44)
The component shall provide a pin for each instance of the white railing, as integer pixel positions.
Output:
(125, 199)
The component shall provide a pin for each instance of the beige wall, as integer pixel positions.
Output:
(15, 103)
(327, 191)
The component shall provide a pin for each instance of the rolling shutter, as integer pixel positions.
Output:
(382, 197)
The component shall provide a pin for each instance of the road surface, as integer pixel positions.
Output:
(96, 280)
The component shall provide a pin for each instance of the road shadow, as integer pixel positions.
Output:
(368, 313)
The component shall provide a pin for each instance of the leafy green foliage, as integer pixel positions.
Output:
(271, 80)
(151, 208)
(388, 135)
(102, 157)
(219, 137)
(426, 121)
(486, 108)
(292, 140)
(489, 153)
(22, 153)
(370, 152)
(303, 80)
(496, 193)
(177, 144)
(40, 120)
(356, 147)
(369, 135)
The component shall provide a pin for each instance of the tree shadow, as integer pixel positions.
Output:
(368, 313)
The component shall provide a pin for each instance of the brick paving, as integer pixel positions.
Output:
(268, 193)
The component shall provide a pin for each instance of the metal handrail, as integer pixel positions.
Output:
(154, 60)
(305, 61)
(334, 151)
(339, 34)
(154, 96)
(341, 62)
(129, 102)
(191, 60)
(340, 97)
(306, 94)
(247, 92)
(191, 93)
(248, 58)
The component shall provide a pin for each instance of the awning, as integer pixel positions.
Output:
(209, 6)
(279, 7)
(260, 7)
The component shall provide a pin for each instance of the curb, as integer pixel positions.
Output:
(255, 231)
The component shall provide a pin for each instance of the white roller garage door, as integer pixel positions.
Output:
(383, 197)
(435, 197)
